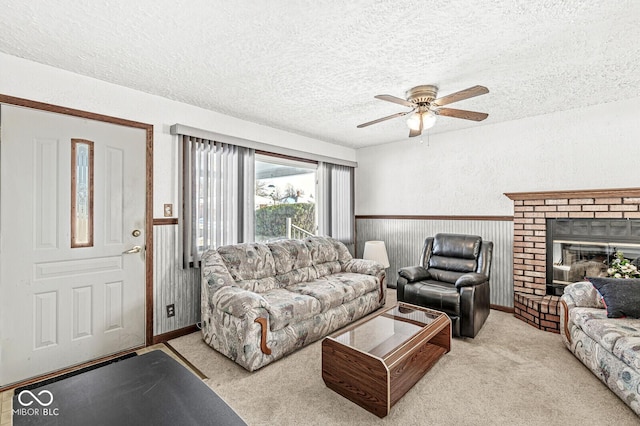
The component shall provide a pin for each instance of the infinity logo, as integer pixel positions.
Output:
(35, 398)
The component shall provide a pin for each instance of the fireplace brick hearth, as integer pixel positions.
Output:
(531, 210)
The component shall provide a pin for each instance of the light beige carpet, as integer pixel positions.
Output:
(510, 374)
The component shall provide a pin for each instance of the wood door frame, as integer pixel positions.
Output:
(10, 100)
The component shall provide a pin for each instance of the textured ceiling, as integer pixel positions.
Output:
(313, 67)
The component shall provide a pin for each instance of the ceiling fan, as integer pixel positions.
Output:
(425, 107)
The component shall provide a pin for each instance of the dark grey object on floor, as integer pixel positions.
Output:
(150, 389)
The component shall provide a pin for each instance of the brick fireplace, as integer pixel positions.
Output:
(531, 211)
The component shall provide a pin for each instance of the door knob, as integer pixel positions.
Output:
(135, 249)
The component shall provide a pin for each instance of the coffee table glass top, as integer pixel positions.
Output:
(384, 333)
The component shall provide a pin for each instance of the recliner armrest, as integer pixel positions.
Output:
(471, 279)
(414, 273)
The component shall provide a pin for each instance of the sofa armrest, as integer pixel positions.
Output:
(237, 302)
(363, 266)
(471, 279)
(214, 272)
(369, 267)
(582, 294)
(414, 273)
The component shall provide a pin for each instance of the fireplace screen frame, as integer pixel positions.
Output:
(576, 248)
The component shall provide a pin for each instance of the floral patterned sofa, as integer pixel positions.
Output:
(609, 347)
(261, 302)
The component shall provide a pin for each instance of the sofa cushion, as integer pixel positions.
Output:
(327, 268)
(605, 331)
(354, 285)
(335, 290)
(621, 296)
(297, 276)
(249, 261)
(293, 262)
(627, 349)
(258, 286)
(322, 250)
(329, 294)
(343, 253)
(289, 255)
(286, 307)
(328, 255)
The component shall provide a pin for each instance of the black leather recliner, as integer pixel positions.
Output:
(453, 277)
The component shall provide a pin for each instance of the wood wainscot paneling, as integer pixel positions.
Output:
(173, 283)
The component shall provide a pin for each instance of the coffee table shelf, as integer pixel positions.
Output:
(375, 362)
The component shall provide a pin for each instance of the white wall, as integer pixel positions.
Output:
(37, 82)
(466, 172)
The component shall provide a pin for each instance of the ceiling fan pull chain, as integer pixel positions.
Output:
(428, 139)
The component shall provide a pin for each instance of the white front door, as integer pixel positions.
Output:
(69, 292)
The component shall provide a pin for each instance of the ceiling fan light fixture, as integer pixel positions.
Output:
(421, 100)
(413, 122)
(428, 120)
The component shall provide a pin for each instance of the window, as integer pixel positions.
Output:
(217, 191)
(81, 193)
(336, 202)
(285, 198)
(232, 195)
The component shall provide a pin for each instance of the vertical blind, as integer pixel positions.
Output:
(218, 193)
(336, 210)
(218, 185)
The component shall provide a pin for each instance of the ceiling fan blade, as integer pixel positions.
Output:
(395, 100)
(414, 133)
(389, 117)
(460, 113)
(461, 95)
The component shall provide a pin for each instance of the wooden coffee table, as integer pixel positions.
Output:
(375, 362)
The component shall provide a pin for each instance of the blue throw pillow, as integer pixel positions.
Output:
(621, 296)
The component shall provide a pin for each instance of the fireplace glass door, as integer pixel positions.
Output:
(579, 248)
(575, 260)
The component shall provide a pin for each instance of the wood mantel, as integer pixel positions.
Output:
(578, 193)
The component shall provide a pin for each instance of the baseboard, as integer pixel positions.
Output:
(502, 308)
(165, 337)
